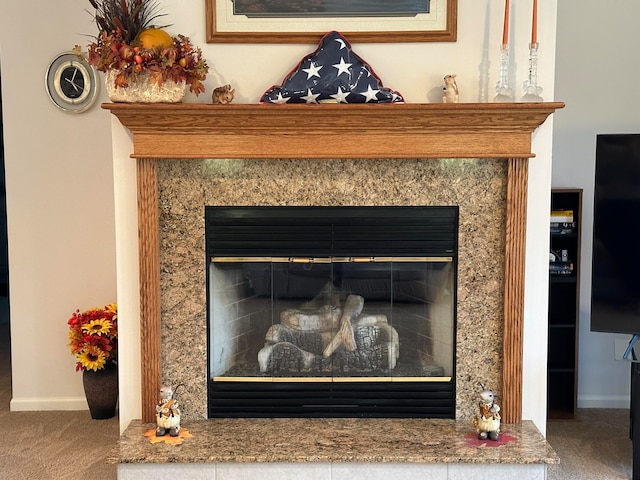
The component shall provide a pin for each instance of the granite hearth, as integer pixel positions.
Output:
(335, 449)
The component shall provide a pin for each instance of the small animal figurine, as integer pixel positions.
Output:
(168, 413)
(222, 95)
(487, 420)
(450, 89)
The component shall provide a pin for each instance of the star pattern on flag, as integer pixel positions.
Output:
(340, 96)
(343, 67)
(332, 73)
(310, 97)
(312, 71)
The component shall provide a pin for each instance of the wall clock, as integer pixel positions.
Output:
(71, 83)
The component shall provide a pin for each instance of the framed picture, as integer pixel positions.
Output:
(306, 21)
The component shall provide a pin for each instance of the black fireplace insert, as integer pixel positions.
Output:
(331, 311)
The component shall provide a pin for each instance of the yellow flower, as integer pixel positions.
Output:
(92, 358)
(113, 309)
(102, 326)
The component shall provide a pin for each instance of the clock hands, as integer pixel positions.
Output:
(72, 80)
(75, 87)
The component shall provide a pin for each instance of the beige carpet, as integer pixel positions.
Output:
(51, 445)
(72, 446)
(593, 446)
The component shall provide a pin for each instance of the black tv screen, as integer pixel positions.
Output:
(615, 283)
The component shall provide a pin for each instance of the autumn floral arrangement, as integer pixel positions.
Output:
(93, 337)
(130, 47)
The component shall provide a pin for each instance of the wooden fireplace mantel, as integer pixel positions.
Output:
(463, 130)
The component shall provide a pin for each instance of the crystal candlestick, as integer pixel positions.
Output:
(504, 92)
(531, 89)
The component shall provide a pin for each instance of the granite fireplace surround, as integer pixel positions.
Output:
(471, 155)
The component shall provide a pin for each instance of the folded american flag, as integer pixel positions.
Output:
(332, 73)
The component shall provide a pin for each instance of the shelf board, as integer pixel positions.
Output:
(563, 278)
(438, 130)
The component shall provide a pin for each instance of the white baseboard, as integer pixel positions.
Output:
(603, 401)
(56, 403)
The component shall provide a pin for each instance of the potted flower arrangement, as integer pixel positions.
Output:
(93, 337)
(141, 61)
(93, 340)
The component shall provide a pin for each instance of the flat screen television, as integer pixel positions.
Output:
(615, 283)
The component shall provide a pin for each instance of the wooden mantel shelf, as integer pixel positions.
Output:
(461, 130)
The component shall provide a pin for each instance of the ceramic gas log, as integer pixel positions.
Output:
(307, 341)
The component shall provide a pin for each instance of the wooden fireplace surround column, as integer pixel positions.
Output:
(464, 130)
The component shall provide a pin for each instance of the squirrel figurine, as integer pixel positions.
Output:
(450, 89)
(222, 95)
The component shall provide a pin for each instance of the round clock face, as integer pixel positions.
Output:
(71, 83)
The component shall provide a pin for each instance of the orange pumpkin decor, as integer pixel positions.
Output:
(155, 38)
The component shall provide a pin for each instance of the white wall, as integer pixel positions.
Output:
(43, 297)
(59, 202)
(597, 49)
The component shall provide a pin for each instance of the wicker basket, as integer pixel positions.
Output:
(142, 90)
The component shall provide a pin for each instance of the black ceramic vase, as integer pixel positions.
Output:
(101, 390)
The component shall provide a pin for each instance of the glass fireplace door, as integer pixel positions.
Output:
(331, 319)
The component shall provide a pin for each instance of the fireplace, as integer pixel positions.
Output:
(331, 311)
(483, 151)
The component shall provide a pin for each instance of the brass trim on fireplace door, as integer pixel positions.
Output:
(331, 379)
(330, 259)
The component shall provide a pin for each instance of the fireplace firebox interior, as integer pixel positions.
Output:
(331, 311)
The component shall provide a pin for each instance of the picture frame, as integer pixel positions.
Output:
(223, 26)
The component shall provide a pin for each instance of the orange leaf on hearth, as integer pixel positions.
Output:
(182, 434)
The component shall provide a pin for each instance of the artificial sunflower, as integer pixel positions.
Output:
(92, 358)
(102, 326)
(93, 337)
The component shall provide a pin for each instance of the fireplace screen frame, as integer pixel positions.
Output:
(424, 233)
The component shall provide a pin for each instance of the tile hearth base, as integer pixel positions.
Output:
(333, 449)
